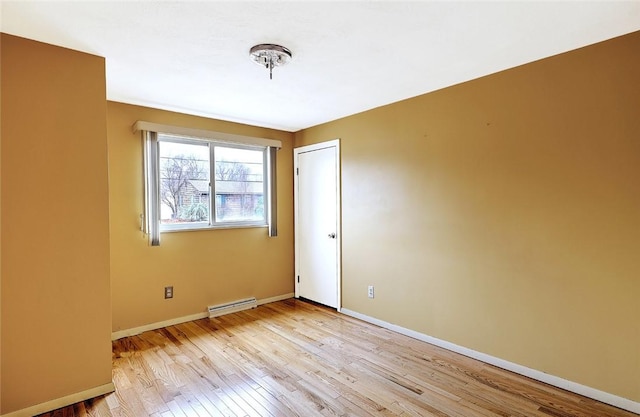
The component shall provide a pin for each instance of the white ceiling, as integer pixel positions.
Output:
(348, 56)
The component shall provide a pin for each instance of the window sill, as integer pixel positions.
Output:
(193, 228)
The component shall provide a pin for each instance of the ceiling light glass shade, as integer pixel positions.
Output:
(270, 56)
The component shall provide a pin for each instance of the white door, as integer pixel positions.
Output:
(317, 238)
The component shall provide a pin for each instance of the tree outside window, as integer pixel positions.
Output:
(185, 183)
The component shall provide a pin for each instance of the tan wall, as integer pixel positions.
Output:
(503, 214)
(56, 310)
(205, 267)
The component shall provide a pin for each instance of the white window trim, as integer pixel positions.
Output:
(152, 224)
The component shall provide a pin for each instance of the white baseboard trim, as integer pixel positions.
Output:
(63, 401)
(157, 325)
(171, 322)
(276, 298)
(575, 387)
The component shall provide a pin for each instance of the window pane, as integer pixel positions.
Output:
(239, 184)
(184, 183)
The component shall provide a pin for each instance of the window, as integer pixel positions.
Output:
(192, 170)
(199, 179)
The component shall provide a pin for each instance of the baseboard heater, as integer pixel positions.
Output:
(232, 307)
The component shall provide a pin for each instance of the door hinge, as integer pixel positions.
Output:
(297, 171)
(298, 279)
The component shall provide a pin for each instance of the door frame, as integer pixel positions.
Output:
(335, 143)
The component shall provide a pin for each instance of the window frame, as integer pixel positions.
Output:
(150, 218)
(213, 222)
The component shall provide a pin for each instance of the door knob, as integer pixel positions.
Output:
(332, 235)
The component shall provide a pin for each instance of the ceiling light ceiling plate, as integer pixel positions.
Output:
(268, 53)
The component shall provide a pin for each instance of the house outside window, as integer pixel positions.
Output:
(192, 170)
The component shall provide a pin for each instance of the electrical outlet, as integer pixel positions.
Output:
(370, 291)
(168, 292)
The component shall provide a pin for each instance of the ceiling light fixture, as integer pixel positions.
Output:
(270, 56)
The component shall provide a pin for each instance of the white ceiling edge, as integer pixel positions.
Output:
(348, 57)
(199, 113)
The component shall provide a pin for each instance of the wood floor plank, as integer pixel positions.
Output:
(189, 408)
(294, 358)
(79, 410)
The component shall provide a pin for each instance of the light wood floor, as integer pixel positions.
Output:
(293, 358)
